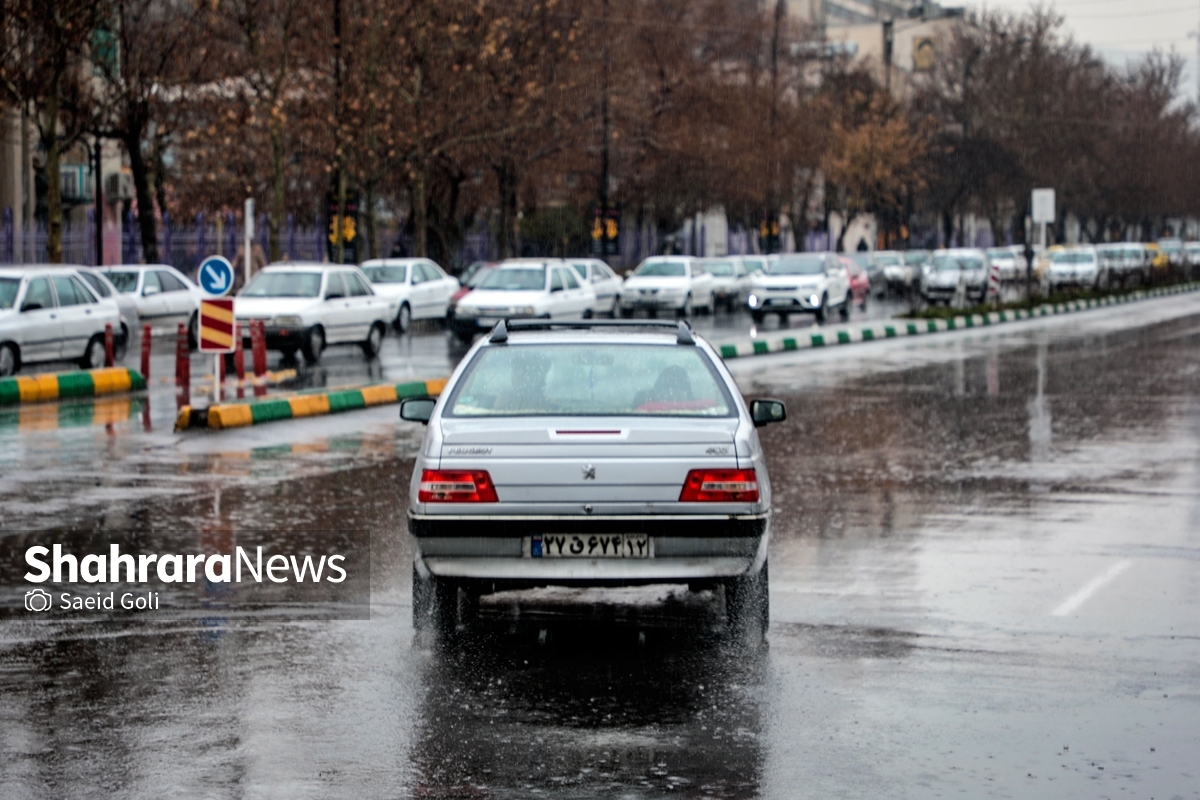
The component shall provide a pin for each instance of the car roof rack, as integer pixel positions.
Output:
(499, 333)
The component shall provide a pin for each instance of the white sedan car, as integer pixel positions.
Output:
(544, 288)
(1073, 267)
(731, 281)
(47, 313)
(668, 283)
(605, 283)
(164, 295)
(417, 285)
(307, 306)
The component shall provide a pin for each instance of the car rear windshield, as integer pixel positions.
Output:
(386, 274)
(515, 279)
(8, 291)
(126, 282)
(1072, 258)
(591, 380)
(662, 269)
(95, 283)
(916, 257)
(722, 269)
(888, 260)
(944, 263)
(283, 284)
(801, 265)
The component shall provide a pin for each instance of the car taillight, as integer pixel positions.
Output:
(456, 486)
(720, 486)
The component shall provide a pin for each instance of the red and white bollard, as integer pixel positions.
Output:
(108, 344)
(146, 352)
(258, 347)
(183, 368)
(239, 360)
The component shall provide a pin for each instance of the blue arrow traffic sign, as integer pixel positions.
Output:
(216, 275)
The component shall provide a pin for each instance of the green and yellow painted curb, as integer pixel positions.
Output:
(58, 385)
(896, 328)
(304, 404)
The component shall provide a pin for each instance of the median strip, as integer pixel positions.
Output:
(891, 329)
(57, 385)
(303, 404)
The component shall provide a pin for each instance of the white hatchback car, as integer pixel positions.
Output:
(546, 288)
(307, 306)
(47, 313)
(605, 283)
(668, 283)
(163, 294)
(793, 283)
(417, 285)
(612, 453)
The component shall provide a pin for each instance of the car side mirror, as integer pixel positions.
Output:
(31, 307)
(150, 291)
(417, 409)
(764, 412)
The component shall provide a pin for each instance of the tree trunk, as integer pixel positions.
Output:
(420, 209)
(277, 187)
(53, 180)
(145, 202)
(369, 223)
(506, 179)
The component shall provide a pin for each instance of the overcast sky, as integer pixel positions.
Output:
(1125, 29)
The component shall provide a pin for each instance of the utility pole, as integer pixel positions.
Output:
(340, 176)
(99, 198)
(889, 39)
(604, 122)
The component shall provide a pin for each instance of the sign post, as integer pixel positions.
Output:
(1042, 204)
(216, 321)
(248, 234)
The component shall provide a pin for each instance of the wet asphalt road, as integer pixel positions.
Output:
(985, 582)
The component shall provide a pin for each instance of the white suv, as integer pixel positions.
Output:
(809, 283)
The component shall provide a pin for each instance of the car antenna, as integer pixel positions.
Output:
(685, 334)
(499, 333)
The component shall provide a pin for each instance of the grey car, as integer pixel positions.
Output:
(589, 453)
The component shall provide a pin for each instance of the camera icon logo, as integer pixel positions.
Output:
(38, 600)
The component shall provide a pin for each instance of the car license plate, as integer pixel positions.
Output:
(590, 545)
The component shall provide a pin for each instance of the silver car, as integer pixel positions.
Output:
(589, 453)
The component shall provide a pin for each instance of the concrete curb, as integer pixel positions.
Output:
(58, 385)
(309, 404)
(786, 341)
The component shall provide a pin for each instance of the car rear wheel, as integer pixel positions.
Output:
(404, 318)
(748, 605)
(93, 354)
(315, 345)
(374, 340)
(10, 362)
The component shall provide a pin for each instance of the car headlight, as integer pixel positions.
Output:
(287, 321)
(525, 311)
(752, 301)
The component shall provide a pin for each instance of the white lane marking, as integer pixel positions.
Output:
(1090, 588)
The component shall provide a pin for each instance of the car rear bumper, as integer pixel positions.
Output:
(633, 302)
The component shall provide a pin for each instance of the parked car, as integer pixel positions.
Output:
(48, 313)
(731, 281)
(860, 284)
(306, 307)
(105, 289)
(874, 270)
(1073, 268)
(948, 269)
(472, 280)
(523, 288)
(605, 283)
(1122, 264)
(668, 283)
(163, 294)
(1172, 248)
(801, 283)
(573, 456)
(896, 274)
(1191, 251)
(471, 269)
(1010, 260)
(1160, 262)
(418, 287)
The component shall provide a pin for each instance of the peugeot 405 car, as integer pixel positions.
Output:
(603, 453)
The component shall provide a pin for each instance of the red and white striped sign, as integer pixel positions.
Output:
(216, 326)
(994, 279)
